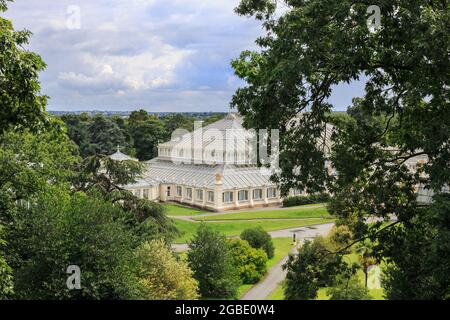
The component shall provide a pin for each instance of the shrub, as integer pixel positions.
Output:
(162, 276)
(250, 262)
(212, 262)
(340, 237)
(258, 238)
(302, 200)
(348, 289)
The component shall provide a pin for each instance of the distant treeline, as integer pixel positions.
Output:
(137, 135)
(108, 113)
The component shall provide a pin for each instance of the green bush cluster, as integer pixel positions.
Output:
(302, 200)
(250, 262)
(259, 238)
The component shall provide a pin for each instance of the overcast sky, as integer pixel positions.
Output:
(160, 55)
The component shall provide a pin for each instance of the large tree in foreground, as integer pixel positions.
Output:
(211, 260)
(22, 105)
(311, 47)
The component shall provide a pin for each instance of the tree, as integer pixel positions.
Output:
(211, 260)
(340, 237)
(162, 276)
(259, 238)
(176, 121)
(348, 288)
(250, 262)
(6, 279)
(137, 117)
(60, 229)
(417, 255)
(105, 135)
(312, 268)
(146, 136)
(104, 176)
(313, 47)
(22, 104)
(366, 258)
(29, 162)
(129, 143)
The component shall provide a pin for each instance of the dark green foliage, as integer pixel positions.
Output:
(312, 268)
(308, 50)
(302, 200)
(138, 116)
(105, 136)
(146, 135)
(250, 262)
(77, 130)
(6, 279)
(98, 135)
(56, 210)
(22, 105)
(60, 230)
(211, 260)
(418, 255)
(100, 174)
(137, 136)
(176, 121)
(259, 238)
(348, 288)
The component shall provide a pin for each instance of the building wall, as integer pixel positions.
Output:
(199, 197)
(160, 193)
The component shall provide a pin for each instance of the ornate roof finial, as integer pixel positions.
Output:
(118, 148)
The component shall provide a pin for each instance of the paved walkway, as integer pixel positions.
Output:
(276, 275)
(307, 232)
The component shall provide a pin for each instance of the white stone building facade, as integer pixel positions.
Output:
(198, 169)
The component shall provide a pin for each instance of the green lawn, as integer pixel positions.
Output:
(234, 228)
(377, 294)
(277, 294)
(282, 248)
(243, 289)
(291, 213)
(179, 210)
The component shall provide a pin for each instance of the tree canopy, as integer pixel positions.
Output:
(308, 49)
(23, 106)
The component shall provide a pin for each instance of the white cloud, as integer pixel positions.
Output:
(150, 69)
(167, 54)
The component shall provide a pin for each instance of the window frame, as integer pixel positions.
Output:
(260, 192)
(208, 193)
(197, 193)
(231, 193)
(245, 193)
(188, 193)
(269, 196)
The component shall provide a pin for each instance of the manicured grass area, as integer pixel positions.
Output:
(243, 289)
(291, 213)
(282, 248)
(277, 294)
(234, 228)
(179, 210)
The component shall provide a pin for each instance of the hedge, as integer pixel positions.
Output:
(302, 200)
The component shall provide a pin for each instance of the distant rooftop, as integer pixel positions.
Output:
(119, 156)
